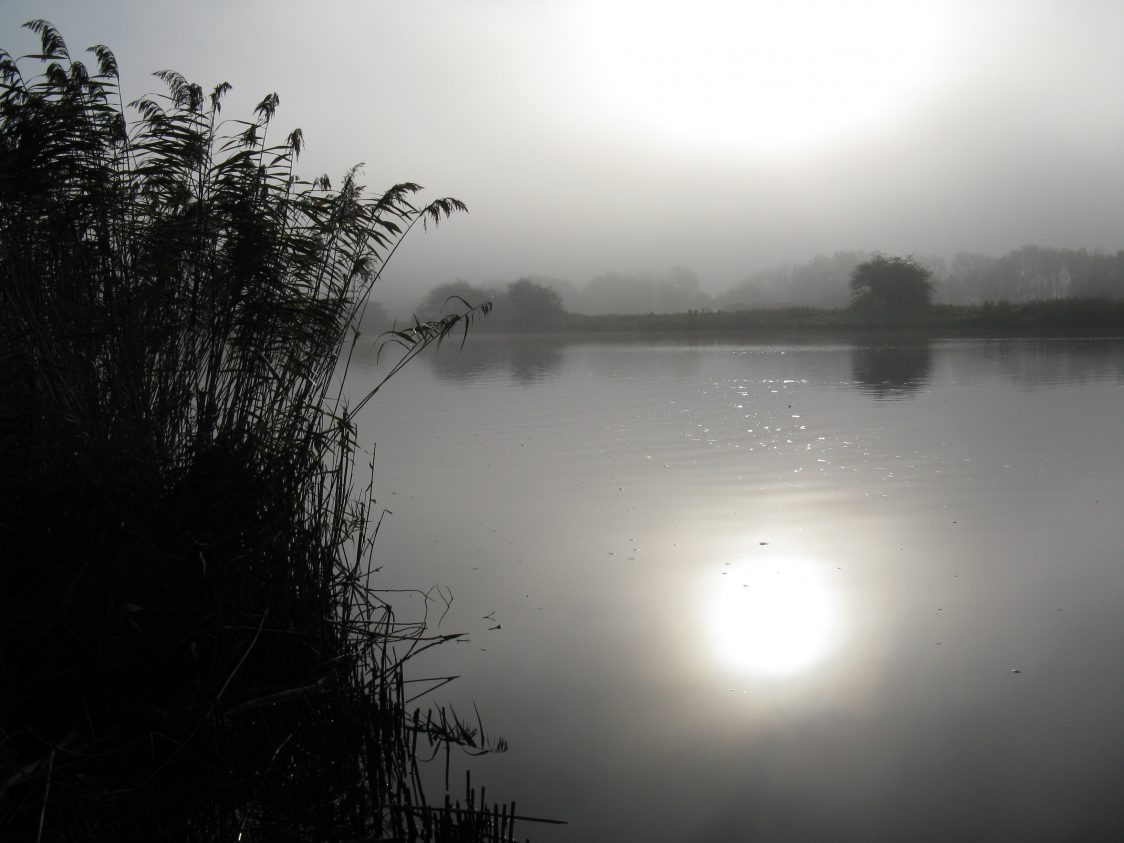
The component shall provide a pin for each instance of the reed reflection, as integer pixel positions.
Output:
(773, 617)
(891, 371)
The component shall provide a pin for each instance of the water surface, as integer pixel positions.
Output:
(717, 591)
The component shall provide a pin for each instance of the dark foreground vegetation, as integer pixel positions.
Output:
(190, 644)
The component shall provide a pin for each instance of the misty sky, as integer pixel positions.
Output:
(637, 134)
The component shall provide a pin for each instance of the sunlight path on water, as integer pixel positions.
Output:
(772, 617)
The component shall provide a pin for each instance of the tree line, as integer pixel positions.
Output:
(1029, 273)
(535, 302)
(1025, 275)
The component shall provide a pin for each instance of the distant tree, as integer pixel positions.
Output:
(822, 281)
(523, 305)
(530, 306)
(890, 285)
(1030, 273)
(680, 290)
(444, 299)
(968, 278)
(618, 292)
(674, 291)
(570, 293)
(1103, 277)
(819, 282)
(749, 293)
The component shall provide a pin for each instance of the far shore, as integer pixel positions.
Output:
(1078, 318)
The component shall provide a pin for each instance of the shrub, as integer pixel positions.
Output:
(890, 285)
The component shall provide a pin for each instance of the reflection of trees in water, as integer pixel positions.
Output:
(527, 359)
(891, 371)
(1042, 362)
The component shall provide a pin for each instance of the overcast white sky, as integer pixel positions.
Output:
(637, 134)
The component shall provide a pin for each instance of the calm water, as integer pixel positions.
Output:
(784, 592)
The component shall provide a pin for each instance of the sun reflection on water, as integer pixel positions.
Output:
(773, 617)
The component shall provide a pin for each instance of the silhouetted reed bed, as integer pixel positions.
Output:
(191, 646)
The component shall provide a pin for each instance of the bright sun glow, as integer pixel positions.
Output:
(768, 76)
(773, 618)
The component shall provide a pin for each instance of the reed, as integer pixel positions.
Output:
(191, 646)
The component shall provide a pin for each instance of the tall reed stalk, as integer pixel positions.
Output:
(190, 646)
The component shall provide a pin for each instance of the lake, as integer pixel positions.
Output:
(719, 591)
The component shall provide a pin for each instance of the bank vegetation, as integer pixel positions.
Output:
(192, 646)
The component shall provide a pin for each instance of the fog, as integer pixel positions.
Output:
(751, 573)
(724, 139)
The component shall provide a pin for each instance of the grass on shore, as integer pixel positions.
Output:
(1076, 317)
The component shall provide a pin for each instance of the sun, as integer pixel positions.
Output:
(763, 76)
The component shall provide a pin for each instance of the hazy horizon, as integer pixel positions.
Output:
(633, 137)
